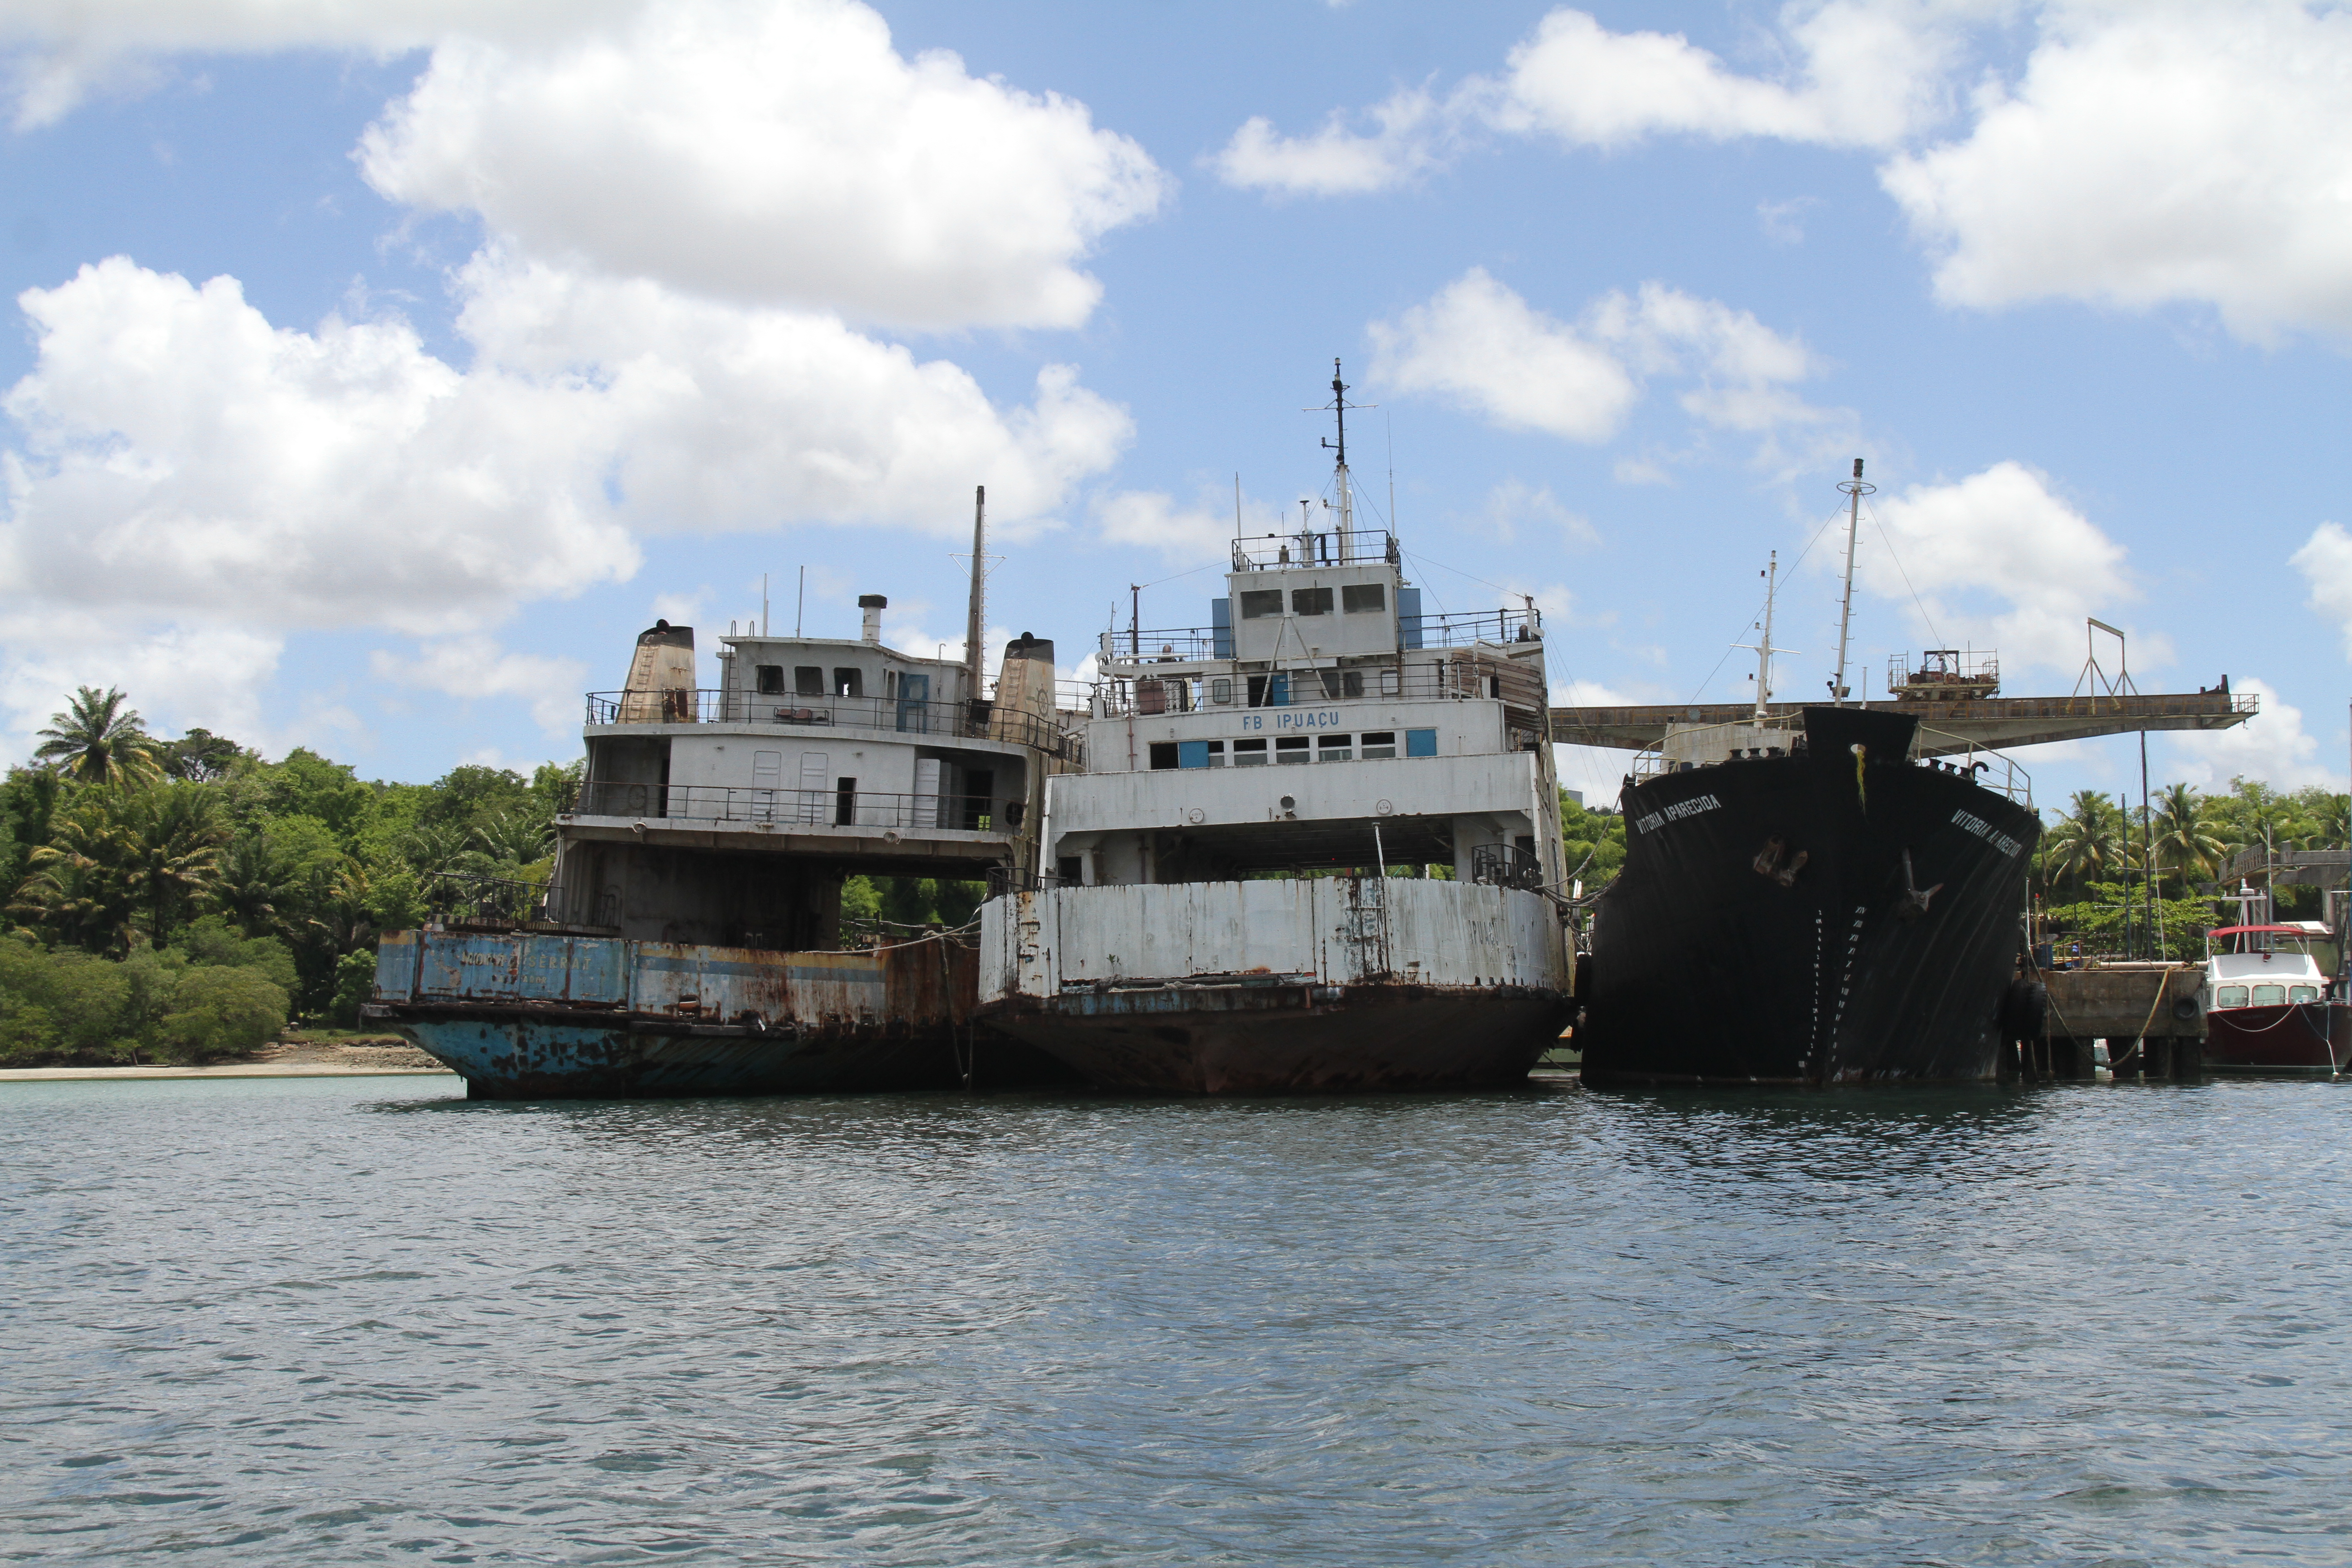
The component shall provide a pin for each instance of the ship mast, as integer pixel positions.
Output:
(1854, 490)
(976, 609)
(1764, 649)
(1346, 494)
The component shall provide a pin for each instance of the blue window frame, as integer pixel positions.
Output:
(1421, 743)
(1192, 753)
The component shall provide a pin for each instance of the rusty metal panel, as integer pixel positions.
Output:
(667, 979)
(395, 965)
(542, 968)
(598, 974)
(836, 989)
(741, 984)
(474, 966)
(930, 983)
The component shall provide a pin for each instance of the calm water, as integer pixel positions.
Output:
(359, 1321)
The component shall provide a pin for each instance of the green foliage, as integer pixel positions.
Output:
(216, 942)
(877, 904)
(222, 1012)
(1594, 839)
(98, 740)
(354, 984)
(2099, 921)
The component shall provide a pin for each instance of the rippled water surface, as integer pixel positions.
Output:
(361, 1320)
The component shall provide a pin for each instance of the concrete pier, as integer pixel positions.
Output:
(2147, 1012)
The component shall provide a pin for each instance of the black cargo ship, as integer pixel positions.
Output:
(1830, 911)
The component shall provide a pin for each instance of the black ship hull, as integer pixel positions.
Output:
(1831, 916)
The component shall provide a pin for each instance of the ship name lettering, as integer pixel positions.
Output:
(1677, 811)
(1321, 719)
(1986, 831)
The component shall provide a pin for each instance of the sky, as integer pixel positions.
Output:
(381, 367)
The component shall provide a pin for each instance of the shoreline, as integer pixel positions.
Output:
(227, 1070)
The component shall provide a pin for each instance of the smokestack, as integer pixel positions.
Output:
(873, 605)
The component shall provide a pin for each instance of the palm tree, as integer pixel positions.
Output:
(173, 836)
(251, 883)
(98, 740)
(2088, 842)
(2186, 836)
(79, 887)
(513, 839)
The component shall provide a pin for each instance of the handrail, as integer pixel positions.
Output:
(968, 721)
(828, 807)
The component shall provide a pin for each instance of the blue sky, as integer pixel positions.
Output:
(383, 366)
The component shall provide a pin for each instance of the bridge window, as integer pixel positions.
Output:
(2270, 995)
(2302, 994)
(1358, 598)
(1163, 755)
(2229, 996)
(1259, 603)
(772, 680)
(808, 680)
(1291, 748)
(1249, 753)
(1310, 601)
(1380, 744)
(1338, 683)
(849, 681)
(1333, 748)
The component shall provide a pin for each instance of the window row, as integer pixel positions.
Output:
(2264, 995)
(1373, 745)
(1355, 599)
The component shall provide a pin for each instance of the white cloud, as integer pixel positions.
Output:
(1411, 128)
(1859, 74)
(473, 666)
(2001, 563)
(783, 153)
(2155, 152)
(1476, 343)
(1514, 504)
(1480, 346)
(2270, 746)
(1200, 532)
(188, 466)
(2325, 562)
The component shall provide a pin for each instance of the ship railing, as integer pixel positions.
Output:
(1147, 695)
(1703, 745)
(968, 721)
(1326, 547)
(1506, 866)
(1194, 645)
(1995, 771)
(462, 900)
(835, 804)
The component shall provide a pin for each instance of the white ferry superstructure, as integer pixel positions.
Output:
(1316, 847)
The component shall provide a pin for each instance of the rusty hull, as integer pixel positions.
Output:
(530, 1015)
(1290, 1037)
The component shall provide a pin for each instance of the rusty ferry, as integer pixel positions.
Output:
(689, 940)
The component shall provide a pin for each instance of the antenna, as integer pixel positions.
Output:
(763, 604)
(1340, 405)
(802, 604)
(1764, 649)
(1854, 489)
(974, 616)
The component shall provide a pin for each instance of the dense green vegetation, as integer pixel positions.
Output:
(1595, 843)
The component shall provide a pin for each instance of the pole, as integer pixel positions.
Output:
(763, 604)
(800, 604)
(1764, 653)
(2146, 853)
(973, 616)
(1135, 622)
(1854, 490)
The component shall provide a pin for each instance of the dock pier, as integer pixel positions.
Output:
(2147, 1011)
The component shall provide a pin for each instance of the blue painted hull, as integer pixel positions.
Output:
(540, 1015)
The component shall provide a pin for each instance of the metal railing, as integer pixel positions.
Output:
(969, 721)
(1327, 547)
(828, 807)
(1193, 645)
(1147, 695)
(457, 898)
(1943, 675)
(1992, 770)
(1506, 866)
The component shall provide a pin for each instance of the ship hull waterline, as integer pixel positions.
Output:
(1291, 1039)
(1889, 954)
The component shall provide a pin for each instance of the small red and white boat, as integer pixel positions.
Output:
(2268, 1007)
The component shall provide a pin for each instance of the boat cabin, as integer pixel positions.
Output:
(2268, 966)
